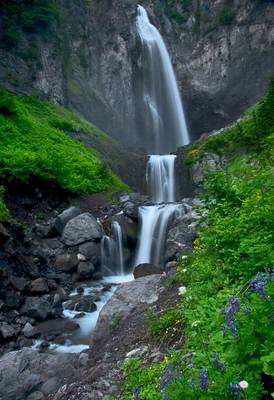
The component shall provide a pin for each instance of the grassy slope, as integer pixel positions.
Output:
(227, 311)
(34, 143)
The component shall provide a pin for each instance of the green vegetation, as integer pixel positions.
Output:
(34, 143)
(228, 306)
(226, 16)
(28, 16)
(4, 213)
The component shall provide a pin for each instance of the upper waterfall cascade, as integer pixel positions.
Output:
(161, 98)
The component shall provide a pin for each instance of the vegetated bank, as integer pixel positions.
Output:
(227, 308)
(35, 143)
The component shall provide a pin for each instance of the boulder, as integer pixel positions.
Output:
(62, 219)
(4, 234)
(38, 308)
(13, 299)
(36, 396)
(19, 283)
(131, 210)
(91, 251)
(50, 386)
(83, 304)
(7, 331)
(81, 229)
(30, 331)
(39, 286)
(85, 270)
(146, 269)
(71, 326)
(66, 262)
(26, 371)
(129, 297)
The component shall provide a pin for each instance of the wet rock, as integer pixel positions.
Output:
(49, 386)
(36, 396)
(4, 234)
(71, 326)
(62, 219)
(84, 304)
(19, 283)
(30, 331)
(13, 299)
(39, 286)
(62, 293)
(45, 231)
(22, 342)
(127, 298)
(57, 307)
(146, 269)
(91, 251)
(38, 308)
(81, 229)
(131, 210)
(85, 270)
(83, 359)
(66, 262)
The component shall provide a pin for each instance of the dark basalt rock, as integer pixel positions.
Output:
(146, 269)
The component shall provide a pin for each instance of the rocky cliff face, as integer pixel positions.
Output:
(222, 53)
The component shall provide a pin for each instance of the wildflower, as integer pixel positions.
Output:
(236, 391)
(229, 314)
(243, 384)
(204, 379)
(136, 394)
(184, 270)
(182, 290)
(258, 286)
(217, 362)
(183, 257)
(169, 375)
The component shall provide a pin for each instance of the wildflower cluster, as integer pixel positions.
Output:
(229, 313)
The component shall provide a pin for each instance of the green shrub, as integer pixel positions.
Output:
(33, 142)
(4, 213)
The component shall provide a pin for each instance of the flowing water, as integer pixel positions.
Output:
(164, 113)
(112, 251)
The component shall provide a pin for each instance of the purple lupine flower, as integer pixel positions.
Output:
(136, 393)
(217, 362)
(204, 379)
(224, 331)
(236, 391)
(170, 375)
(229, 314)
(234, 304)
(258, 286)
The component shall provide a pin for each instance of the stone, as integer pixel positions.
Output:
(85, 270)
(4, 234)
(62, 219)
(7, 331)
(39, 286)
(19, 283)
(85, 305)
(128, 297)
(62, 293)
(38, 308)
(146, 269)
(36, 396)
(30, 331)
(24, 372)
(66, 262)
(81, 229)
(49, 386)
(13, 299)
(91, 251)
(131, 210)
(71, 326)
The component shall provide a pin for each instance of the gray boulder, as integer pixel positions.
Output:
(24, 372)
(91, 251)
(19, 283)
(146, 269)
(62, 219)
(7, 331)
(39, 286)
(81, 229)
(30, 331)
(85, 270)
(38, 308)
(66, 262)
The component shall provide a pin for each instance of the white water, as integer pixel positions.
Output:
(160, 178)
(161, 96)
(112, 251)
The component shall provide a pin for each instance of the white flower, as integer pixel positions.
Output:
(243, 384)
(182, 290)
(195, 323)
(183, 257)
(184, 270)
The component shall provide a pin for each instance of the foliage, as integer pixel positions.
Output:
(159, 325)
(226, 16)
(4, 213)
(33, 142)
(228, 306)
(30, 16)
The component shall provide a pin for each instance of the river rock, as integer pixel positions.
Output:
(4, 234)
(66, 262)
(146, 269)
(19, 283)
(71, 326)
(30, 331)
(36, 396)
(91, 251)
(85, 270)
(13, 299)
(24, 372)
(38, 308)
(62, 219)
(7, 331)
(128, 297)
(81, 229)
(39, 286)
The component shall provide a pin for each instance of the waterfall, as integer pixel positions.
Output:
(161, 99)
(160, 178)
(112, 251)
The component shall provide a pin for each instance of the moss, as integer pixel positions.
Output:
(34, 143)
